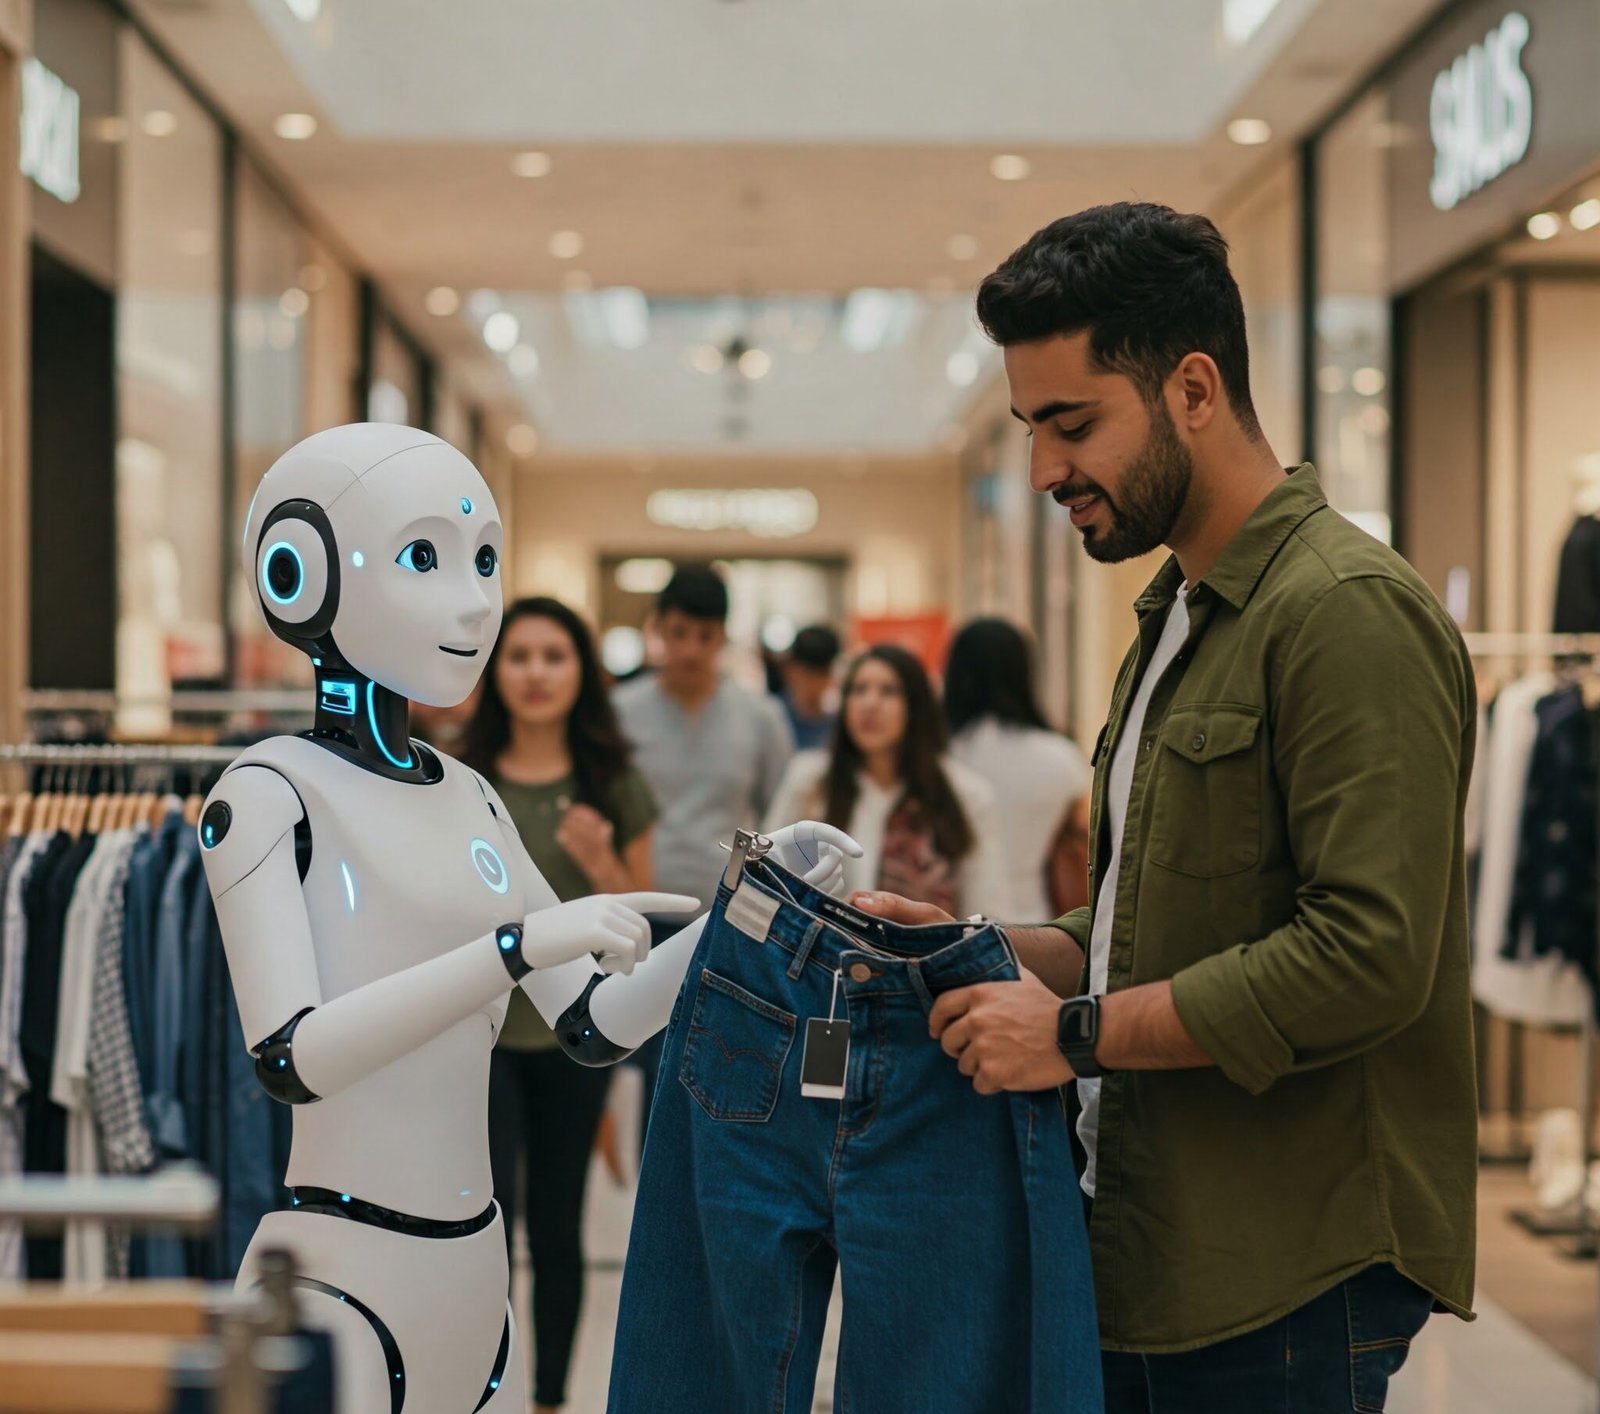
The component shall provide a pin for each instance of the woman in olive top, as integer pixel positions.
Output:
(545, 734)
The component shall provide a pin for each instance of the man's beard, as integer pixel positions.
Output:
(1151, 495)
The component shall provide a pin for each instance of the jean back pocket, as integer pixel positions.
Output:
(734, 1056)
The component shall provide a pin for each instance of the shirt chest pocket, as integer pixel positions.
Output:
(1206, 799)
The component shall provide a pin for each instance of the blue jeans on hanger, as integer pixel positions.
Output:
(953, 1219)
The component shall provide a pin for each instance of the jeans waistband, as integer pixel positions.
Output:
(873, 955)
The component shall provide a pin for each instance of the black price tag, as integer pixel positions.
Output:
(826, 1059)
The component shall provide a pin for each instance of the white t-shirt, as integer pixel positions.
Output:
(981, 879)
(1118, 788)
(1035, 776)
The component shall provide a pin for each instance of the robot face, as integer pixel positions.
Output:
(420, 585)
(388, 539)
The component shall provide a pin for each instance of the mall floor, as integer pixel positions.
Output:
(1496, 1365)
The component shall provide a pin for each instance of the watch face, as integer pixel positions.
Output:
(1077, 1023)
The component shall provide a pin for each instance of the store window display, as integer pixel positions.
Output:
(376, 553)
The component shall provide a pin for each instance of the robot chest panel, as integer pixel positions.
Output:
(400, 874)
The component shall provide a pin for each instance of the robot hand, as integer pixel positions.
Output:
(816, 852)
(610, 927)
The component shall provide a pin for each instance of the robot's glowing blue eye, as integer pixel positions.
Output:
(491, 868)
(466, 506)
(283, 573)
(358, 559)
(487, 560)
(419, 555)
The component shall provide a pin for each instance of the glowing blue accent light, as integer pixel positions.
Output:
(358, 559)
(283, 1062)
(377, 736)
(349, 885)
(507, 941)
(494, 1384)
(208, 836)
(300, 572)
(316, 662)
(466, 1193)
(338, 696)
(344, 1197)
(466, 506)
(491, 868)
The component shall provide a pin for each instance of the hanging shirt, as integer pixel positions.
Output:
(13, 1070)
(1117, 793)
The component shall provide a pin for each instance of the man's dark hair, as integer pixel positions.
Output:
(695, 590)
(1150, 285)
(816, 646)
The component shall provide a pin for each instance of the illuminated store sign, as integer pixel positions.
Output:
(49, 131)
(1480, 114)
(768, 512)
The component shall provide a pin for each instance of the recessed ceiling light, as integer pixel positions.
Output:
(1369, 382)
(532, 164)
(755, 363)
(707, 358)
(159, 123)
(294, 302)
(961, 368)
(522, 440)
(523, 360)
(442, 301)
(1011, 167)
(295, 127)
(1585, 216)
(1250, 132)
(1544, 225)
(501, 331)
(962, 247)
(566, 245)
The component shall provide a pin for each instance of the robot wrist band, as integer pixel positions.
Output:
(508, 939)
(275, 1067)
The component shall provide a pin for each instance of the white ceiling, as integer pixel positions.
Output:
(707, 148)
(828, 71)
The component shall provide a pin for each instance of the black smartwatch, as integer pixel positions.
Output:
(1077, 1035)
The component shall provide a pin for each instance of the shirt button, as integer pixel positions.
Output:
(1149, 741)
(1199, 740)
(860, 972)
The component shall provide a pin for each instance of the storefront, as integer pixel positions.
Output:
(189, 324)
(1457, 311)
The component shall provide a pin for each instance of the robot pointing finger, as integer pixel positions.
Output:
(377, 908)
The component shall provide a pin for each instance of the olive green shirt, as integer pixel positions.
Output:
(536, 811)
(1293, 861)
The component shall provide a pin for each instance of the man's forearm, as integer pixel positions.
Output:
(1140, 1029)
(1051, 955)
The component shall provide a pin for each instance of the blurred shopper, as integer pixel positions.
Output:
(547, 737)
(807, 672)
(1036, 774)
(927, 823)
(712, 752)
(1274, 1041)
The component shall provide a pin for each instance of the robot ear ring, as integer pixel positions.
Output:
(297, 575)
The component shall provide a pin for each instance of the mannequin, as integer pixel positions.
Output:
(1578, 576)
(377, 907)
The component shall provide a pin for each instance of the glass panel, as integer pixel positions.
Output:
(169, 396)
(1353, 369)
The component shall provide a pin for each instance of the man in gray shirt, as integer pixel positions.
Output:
(712, 752)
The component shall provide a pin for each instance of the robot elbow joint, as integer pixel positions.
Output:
(581, 1039)
(275, 1067)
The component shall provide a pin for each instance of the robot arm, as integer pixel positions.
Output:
(306, 1047)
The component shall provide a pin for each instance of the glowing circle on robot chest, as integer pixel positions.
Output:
(491, 868)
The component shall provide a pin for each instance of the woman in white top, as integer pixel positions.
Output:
(998, 730)
(927, 824)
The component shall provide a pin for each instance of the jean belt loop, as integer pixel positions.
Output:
(801, 953)
(918, 984)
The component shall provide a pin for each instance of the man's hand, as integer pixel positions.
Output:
(897, 909)
(1002, 1034)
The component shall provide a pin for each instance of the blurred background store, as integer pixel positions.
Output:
(693, 281)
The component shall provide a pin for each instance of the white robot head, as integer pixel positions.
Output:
(379, 546)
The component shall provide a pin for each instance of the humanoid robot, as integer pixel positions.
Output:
(377, 907)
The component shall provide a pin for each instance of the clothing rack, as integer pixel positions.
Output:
(208, 701)
(1577, 1224)
(113, 754)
